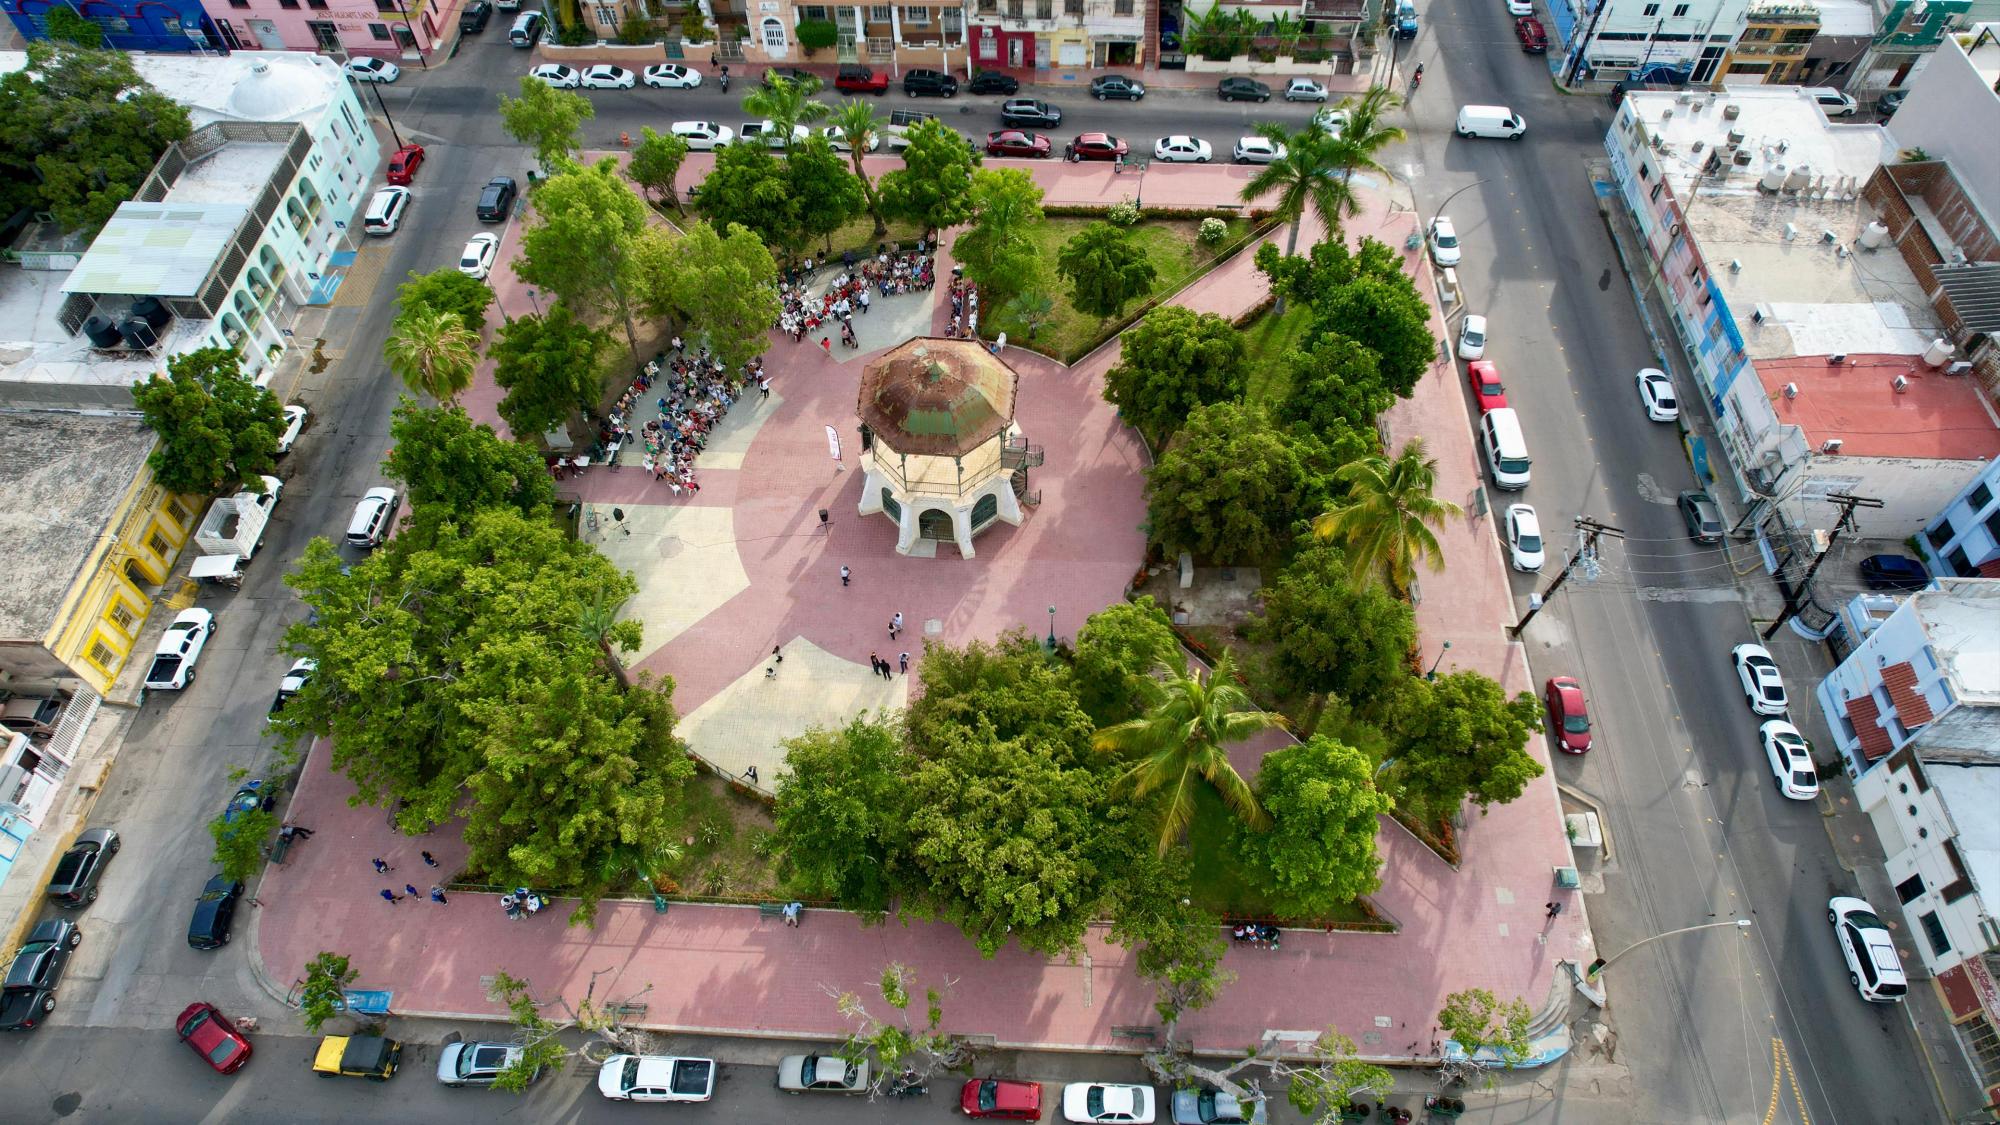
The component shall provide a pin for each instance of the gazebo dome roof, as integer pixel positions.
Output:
(937, 397)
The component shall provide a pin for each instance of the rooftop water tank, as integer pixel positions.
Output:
(1799, 178)
(138, 334)
(152, 311)
(1773, 178)
(103, 333)
(1937, 353)
(1874, 236)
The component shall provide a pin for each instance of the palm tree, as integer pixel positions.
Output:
(1184, 736)
(597, 623)
(1308, 175)
(787, 102)
(1363, 134)
(861, 130)
(434, 353)
(1385, 523)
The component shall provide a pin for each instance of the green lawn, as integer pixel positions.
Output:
(1169, 244)
(728, 854)
(1266, 340)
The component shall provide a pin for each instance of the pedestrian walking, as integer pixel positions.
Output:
(903, 663)
(826, 345)
(763, 387)
(300, 832)
(391, 897)
(1554, 908)
(792, 912)
(864, 301)
(895, 625)
(429, 860)
(875, 663)
(844, 573)
(777, 655)
(411, 890)
(437, 895)
(381, 866)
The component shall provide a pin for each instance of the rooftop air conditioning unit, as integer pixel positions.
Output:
(1760, 314)
(1901, 383)
(1742, 158)
(1791, 390)
(1731, 111)
(1736, 136)
(1958, 367)
(1836, 359)
(1831, 445)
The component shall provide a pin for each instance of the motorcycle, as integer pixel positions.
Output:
(722, 79)
(908, 1085)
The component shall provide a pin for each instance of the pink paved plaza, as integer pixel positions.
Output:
(724, 968)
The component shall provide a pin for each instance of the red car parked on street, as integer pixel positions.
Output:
(403, 164)
(1005, 1098)
(1486, 385)
(213, 1036)
(1569, 715)
(1016, 142)
(860, 80)
(1534, 39)
(1096, 146)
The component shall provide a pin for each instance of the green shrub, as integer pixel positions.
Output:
(1122, 213)
(1212, 231)
(817, 35)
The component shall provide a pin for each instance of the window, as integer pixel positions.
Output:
(1934, 933)
(1940, 533)
(879, 13)
(123, 617)
(954, 20)
(774, 35)
(1993, 526)
(1680, 11)
(1121, 7)
(380, 30)
(316, 5)
(1072, 7)
(1654, 195)
(102, 656)
(1909, 889)
(158, 545)
(385, 5)
(1045, 9)
(920, 17)
(292, 5)
(812, 12)
(1651, 10)
(1980, 496)
(1014, 10)
(1960, 565)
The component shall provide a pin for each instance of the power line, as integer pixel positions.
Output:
(1795, 595)
(1586, 555)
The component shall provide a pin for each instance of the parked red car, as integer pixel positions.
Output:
(860, 80)
(1534, 39)
(1486, 385)
(213, 1036)
(1016, 142)
(403, 164)
(1569, 715)
(1008, 1099)
(1096, 146)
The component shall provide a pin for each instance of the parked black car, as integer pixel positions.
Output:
(1894, 572)
(993, 82)
(77, 873)
(496, 202)
(1024, 113)
(1106, 86)
(1242, 90)
(929, 84)
(30, 990)
(213, 913)
(475, 16)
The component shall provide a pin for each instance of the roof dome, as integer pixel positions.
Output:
(273, 90)
(937, 397)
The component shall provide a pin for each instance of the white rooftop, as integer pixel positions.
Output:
(157, 249)
(235, 173)
(243, 86)
(1969, 795)
(1961, 617)
(1818, 301)
(1984, 51)
(1845, 17)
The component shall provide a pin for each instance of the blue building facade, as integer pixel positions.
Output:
(130, 25)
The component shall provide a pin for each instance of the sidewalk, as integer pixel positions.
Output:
(728, 969)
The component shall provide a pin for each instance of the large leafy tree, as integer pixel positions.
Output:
(999, 250)
(827, 195)
(727, 284)
(432, 352)
(549, 121)
(934, 186)
(1106, 269)
(1384, 523)
(580, 246)
(1328, 634)
(446, 290)
(1182, 741)
(454, 464)
(1308, 177)
(842, 813)
(1364, 295)
(1116, 650)
(548, 366)
(749, 188)
(214, 425)
(1319, 853)
(79, 132)
(1233, 488)
(862, 130)
(1476, 1018)
(1457, 737)
(1010, 687)
(786, 102)
(1336, 386)
(450, 680)
(656, 162)
(1172, 362)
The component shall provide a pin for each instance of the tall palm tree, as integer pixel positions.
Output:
(1183, 738)
(597, 623)
(1308, 175)
(861, 130)
(787, 102)
(1364, 134)
(1385, 523)
(433, 352)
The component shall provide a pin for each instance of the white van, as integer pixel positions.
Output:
(1490, 121)
(1506, 450)
(527, 29)
(385, 210)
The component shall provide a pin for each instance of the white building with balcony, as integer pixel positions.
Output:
(1964, 540)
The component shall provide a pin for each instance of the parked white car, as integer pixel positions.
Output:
(476, 260)
(606, 77)
(1332, 120)
(1524, 537)
(1790, 757)
(702, 136)
(1304, 90)
(1444, 241)
(295, 420)
(1091, 1102)
(1762, 685)
(1182, 149)
(837, 139)
(1873, 967)
(373, 70)
(557, 75)
(1258, 150)
(1520, 8)
(1472, 337)
(672, 76)
(1656, 391)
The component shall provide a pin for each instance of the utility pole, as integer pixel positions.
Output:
(1796, 596)
(1591, 530)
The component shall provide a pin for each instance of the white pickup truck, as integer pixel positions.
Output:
(656, 1078)
(766, 132)
(235, 524)
(180, 647)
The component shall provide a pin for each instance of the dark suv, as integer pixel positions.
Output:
(496, 202)
(474, 17)
(30, 990)
(929, 84)
(994, 82)
(77, 873)
(213, 912)
(1021, 113)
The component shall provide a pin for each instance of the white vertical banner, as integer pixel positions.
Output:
(833, 445)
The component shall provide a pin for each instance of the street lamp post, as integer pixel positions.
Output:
(1603, 963)
(532, 301)
(376, 89)
(1433, 673)
(1052, 628)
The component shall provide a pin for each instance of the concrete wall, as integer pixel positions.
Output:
(1953, 114)
(1915, 829)
(1911, 490)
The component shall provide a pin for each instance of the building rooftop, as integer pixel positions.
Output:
(242, 86)
(66, 474)
(234, 173)
(1961, 617)
(42, 363)
(1935, 416)
(1982, 46)
(1845, 17)
(157, 249)
(1969, 795)
(937, 397)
